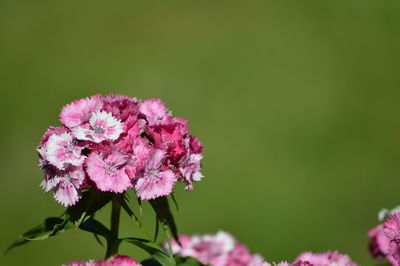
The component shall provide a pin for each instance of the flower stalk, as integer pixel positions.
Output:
(112, 241)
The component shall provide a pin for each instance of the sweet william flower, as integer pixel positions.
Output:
(107, 171)
(154, 111)
(391, 228)
(102, 126)
(66, 184)
(190, 169)
(78, 112)
(118, 143)
(61, 150)
(328, 258)
(379, 245)
(118, 260)
(385, 237)
(155, 181)
(121, 106)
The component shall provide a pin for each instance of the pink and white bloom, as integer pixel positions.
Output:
(78, 112)
(155, 181)
(118, 260)
(190, 169)
(61, 150)
(154, 111)
(107, 171)
(220, 249)
(65, 184)
(102, 126)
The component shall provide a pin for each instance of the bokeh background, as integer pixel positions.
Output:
(296, 103)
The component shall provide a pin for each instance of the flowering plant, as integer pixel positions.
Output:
(105, 147)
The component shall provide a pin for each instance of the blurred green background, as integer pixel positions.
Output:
(296, 103)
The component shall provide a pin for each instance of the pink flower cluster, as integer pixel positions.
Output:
(328, 258)
(385, 237)
(116, 261)
(222, 249)
(115, 143)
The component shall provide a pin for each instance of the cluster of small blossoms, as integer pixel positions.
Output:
(385, 237)
(116, 261)
(222, 249)
(328, 258)
(114, 143)
(219, 249)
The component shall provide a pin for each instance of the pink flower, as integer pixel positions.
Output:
(327, 258)
(190, 169)
(78, 112)
(102, 126)
(121, 106)
(108, 171)
(391, 228)
(61, 150)
(155, 181)
(154, 111)
(50, 131)
(65, 184)
(379, 244)
(220, 249)
(118, 260)
(297, 263)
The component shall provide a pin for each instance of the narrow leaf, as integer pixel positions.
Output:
(40, 232)
(128, 210)
(96, 227)
(164, 214)
(96, 236)
(175, 201)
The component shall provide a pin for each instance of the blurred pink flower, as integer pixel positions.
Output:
(391, 228)
(220, 249)
(118, 260)
(327, 258)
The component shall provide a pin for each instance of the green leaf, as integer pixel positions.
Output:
(49, 227)
(98, 240)
(175, 201)
(95, 227)
(153, 249)
(187, 261)
(164, 215)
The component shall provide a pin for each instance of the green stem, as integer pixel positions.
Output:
(113, 242)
